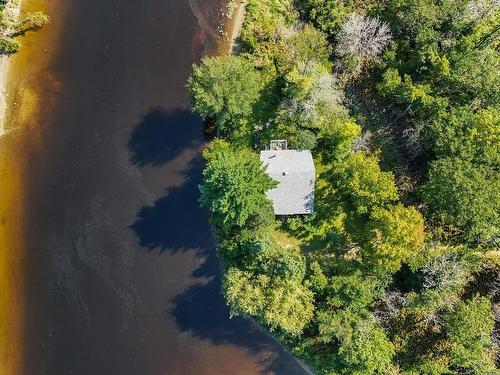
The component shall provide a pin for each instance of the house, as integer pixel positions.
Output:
(295, 173)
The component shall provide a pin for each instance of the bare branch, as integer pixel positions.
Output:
(477, 10)
(390, 306)
(444, 272)
(363, 37)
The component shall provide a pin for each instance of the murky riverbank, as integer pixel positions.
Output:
(111, 264)
(22, 135)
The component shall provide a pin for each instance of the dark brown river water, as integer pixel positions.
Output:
(120, 272)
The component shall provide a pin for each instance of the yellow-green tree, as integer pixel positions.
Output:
(392, 235)
(360, 181)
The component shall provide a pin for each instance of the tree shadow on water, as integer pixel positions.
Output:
(162, 134)
(176, 222)
(201, 311)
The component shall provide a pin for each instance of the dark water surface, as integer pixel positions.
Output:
(121, 273)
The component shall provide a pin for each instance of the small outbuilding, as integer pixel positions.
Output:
(295, 173)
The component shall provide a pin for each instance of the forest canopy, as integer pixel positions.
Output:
(397, 271)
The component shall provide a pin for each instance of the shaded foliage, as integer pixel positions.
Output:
(398, 101)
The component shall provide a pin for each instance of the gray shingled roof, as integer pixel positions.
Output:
(294, 171)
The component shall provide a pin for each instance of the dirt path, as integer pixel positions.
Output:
(233, 27)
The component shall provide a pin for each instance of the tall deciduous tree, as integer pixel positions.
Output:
(337, 139)
(465, 196)
(393, 236)
(363, 37)
(359, 179)
(224, 88)
(328, 15)
(287, 305)
(305, 49)
(234, 186)
(469, 328)
(274, 294)
(367, 350)
(469, 135)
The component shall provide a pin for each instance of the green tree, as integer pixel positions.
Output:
(392, 236)
(317, 278)
(367, 350)
(243, 292)
(265, 21)
(224, 88)
(337, 139)
(245, 248)
(463, 69)
(362, 346)
(350, 291)
(287, 263)
(257, 250)
(465, 196)
(327, 15)
(279, 303)
(403, 90)
(33, 21)
(469, 135)
(468, 328)
(234, 186)
(267, 283)
(303, 51)
(359, 179)
(334, 325)
(475, 77)
(289, 306)
(429, 366)
(9, 45)
(304, 140)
